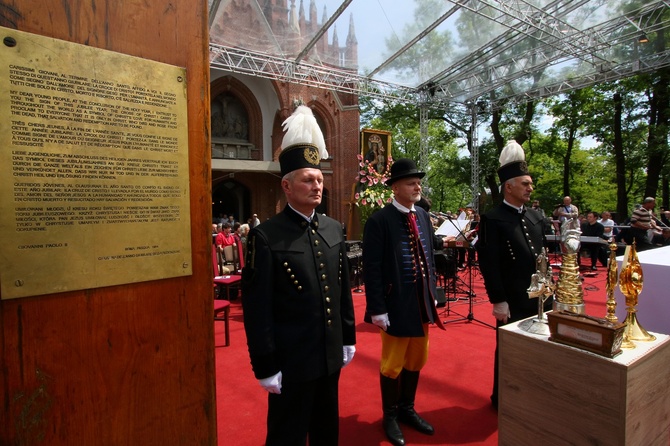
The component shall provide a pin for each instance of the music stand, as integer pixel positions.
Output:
(447, 271)
(358, 270)
(354, 255)
(355, 268)
(461, 242)
(470, 317)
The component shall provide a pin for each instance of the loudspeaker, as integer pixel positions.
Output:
(441, 298)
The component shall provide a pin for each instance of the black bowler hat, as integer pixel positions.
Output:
(403, 168)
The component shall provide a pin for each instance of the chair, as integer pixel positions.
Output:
(221, 306)
(222, 313)
(229, 257)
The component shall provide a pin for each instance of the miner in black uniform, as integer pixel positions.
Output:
(298, 310)
(511, 236)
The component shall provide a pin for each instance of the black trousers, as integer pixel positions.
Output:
(596, 253)
(304, 410)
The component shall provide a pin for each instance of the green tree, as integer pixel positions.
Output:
(617, 120)
(571, 115)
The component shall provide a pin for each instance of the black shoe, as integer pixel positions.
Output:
(393, 432)
(411, 418)
(594, 268)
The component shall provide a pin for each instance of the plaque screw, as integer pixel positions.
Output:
(18, 282)
(184, 265)
(9, 41)
(180, 79)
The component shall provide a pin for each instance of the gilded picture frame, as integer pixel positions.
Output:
(376, 147)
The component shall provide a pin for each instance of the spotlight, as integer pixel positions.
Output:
(432, 89)
(643, 38)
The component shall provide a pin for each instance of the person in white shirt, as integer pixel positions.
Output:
(608, 223)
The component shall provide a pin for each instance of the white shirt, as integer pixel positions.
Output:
(608, 224)
(519, 209)
(308, 218)
(402, 208)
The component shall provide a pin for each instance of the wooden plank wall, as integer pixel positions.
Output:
(130, 364)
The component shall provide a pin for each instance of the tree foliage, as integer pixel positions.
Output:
(627, 121)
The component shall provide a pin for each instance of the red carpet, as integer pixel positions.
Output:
(453, 391)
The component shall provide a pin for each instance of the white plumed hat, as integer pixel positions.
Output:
(512, 162)
(303, 144)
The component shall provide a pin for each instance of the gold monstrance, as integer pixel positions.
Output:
(630, 284)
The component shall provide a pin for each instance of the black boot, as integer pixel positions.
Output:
(390, 392)
(406, 413)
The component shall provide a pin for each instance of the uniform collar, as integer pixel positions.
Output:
(402, 208)
(519, 210)
(302, 219)
(308, 218)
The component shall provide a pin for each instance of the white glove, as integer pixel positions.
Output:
(272, 383)
(348, 352)
(501, 311)
(381, 321)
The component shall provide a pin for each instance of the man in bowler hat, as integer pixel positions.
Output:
(298, 311)
(400, 289)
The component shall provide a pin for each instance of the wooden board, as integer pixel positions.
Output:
(133, 363)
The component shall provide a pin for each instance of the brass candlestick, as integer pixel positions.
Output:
(630, 283)
(612, 272)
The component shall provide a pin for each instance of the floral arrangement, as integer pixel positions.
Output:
(371, 191)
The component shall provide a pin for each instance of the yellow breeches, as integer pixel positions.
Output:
(403, 353)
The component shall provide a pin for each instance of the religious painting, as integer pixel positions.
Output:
(376, 148)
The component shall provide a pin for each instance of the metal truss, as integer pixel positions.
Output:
(497, 69)
(611, 73)
(474, 77)
(423, 143)
(266, 66)
(474, 157)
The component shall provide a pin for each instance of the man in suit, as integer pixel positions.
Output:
(400, 289)
(511, 236)
(298, 310)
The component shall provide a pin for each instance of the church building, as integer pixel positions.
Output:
(247, 111)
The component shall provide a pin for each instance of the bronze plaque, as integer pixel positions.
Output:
(94, 158)
(589, 333)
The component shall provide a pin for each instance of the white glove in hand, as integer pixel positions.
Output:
(272, 383)
(381, 321)
(501, 311)
(348, 352)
